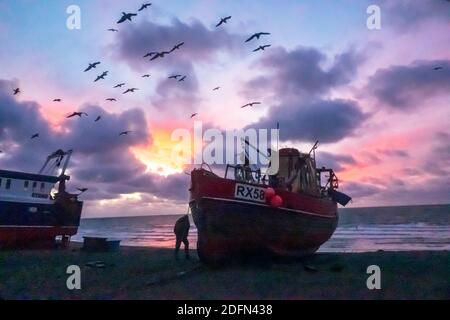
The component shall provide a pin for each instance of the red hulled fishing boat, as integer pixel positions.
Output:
(289, 214)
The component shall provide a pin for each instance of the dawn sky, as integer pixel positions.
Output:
(377, 100)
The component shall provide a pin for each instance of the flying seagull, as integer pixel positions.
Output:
(193, 115)
(262, 47)
(123, 133)
(111, 99)
(159, 55)
(149, 54)
(113, 30)
(92, 66)
(130, 90)
(438, 68)
(182, 79)
(146, 76)
(145, 6)
(79, 114)
(223, 20)
(216, 88)
(126, 16)
(36, 135)
(102, 76)
(251, 104)
(16, 91)
(56, 100)
(82, 190)
(119, 85)
(257, 35)
(177, 46)
(175, 76)
(98, 118)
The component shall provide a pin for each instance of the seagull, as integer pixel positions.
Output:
(223, 20)
(119, 85)
(193, 115)
(16, 91)
(146, 76)
(130, 90)
(98, 118)
(123, 133)
(82, 190)
(56, 100)
(79, 114)
(92, 66)
(111, 99)
(36, 135)
(175, 76)
(149, 54)
(257, 35)
(182, 79)
(145, 6)
(159, 55)
(126, 16)
(102, 76)
(113, 30)
(251, 104)
(216, 88)
(262, 47)
(438, 68)
(176, 47)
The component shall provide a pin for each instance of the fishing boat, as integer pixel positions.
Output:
(35, 208)
(290, 214)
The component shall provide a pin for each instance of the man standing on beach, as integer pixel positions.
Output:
(181, 230)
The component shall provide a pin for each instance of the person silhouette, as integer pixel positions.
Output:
(181, 230)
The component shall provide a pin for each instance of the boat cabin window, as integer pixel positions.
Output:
(42, 186)
(0, 182)
(34, 185)
(26, 184)
(8, 184)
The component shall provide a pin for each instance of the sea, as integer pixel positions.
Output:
(401, 228)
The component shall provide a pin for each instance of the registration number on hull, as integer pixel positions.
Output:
(247, 192)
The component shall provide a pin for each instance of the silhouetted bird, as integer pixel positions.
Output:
(146, 76)
(175, 76)
(113, 30)
(56, 100)
(223, 20)
(257, 35)
(159, 55)
(251, 104)
(130, 90)
(79, 114)
(126, 16)
(193, 115)
(119, 85)
(262, 47)
(149, 54)
(36, 135)
(92, 66)
(102, 76)
(124, 133)
(97, 119)
(16, 91)
(111, 99)
(145, 6)
(438, 68)
(216, 88)
(176, 47)
(82, 190)
(182, 79)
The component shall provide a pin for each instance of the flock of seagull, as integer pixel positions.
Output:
(153, 56)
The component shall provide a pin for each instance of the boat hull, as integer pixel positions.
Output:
(28, 223)
(231, 228)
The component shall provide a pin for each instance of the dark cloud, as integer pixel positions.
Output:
(335, 161)
(409, 87)
(394, 153)
(358, 190)
(323, 120)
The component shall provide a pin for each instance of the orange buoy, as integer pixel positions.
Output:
(269, 193)
(276, 201)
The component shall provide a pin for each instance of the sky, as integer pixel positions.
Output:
(372, 97)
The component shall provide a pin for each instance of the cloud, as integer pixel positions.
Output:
(323, 120)
(409, 87)
(337, 162)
